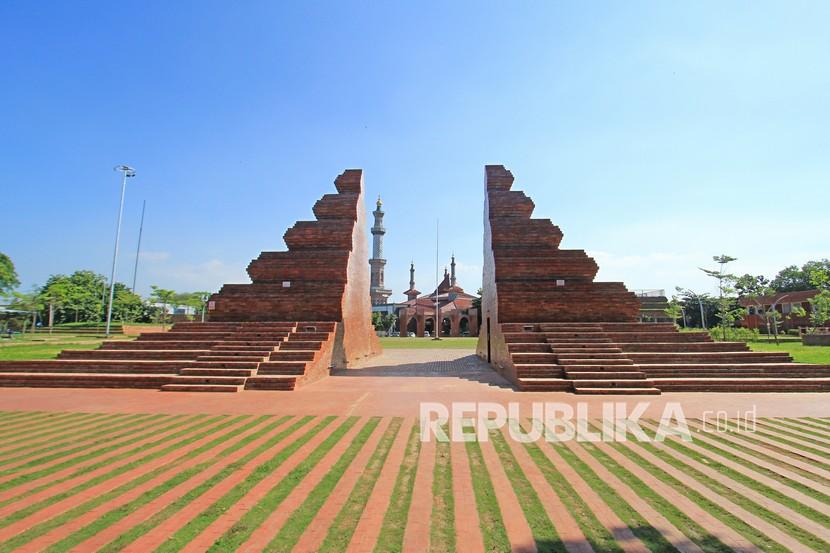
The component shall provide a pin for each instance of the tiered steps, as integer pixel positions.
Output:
(646, 358)
(195, 357)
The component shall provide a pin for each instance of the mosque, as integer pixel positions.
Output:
(457, 313)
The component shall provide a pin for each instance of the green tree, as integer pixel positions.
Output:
(29, 302)
(674, 310)
(793, 278)
(126, 305)
(167, 299)
(8, 275)
(727, 310)
(81, 295)
(752, 285)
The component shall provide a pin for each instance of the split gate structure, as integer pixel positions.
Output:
(547, 325)
(306, 310)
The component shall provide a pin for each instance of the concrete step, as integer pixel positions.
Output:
(583, 361)
(613, 383)
(533, 358)
(308, 336)
(159, 344)
(297, 355)
(584, 350)
(532, 384)
(200, 388)
(297, 345)
(282, 368)
(271, 383)
(223, 364)
(600, 367)
(617, 391)
(743, 384)
(675, 347)
(599, 375)
(193, 371)
(710, 357)
(112, 366)
(210, 379)
(577, 342)
(83, 380)
(225, 357)
(590, 355)
(528, 347)
(131, 355)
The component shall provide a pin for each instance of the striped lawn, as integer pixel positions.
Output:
(107, 482)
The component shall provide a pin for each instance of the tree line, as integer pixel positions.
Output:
(82, 297)
(724, 309)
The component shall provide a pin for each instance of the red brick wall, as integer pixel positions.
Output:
(325, 271)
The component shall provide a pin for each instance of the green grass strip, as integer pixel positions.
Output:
(751, 483)
(183, 434)
(344, 524)
(179, 422)
(55, 522)
(34, 430)
(748, 531)
(817, 421)
(781, 440)
(800, 427)
(17, 417)
(645, 532)
(544, 533)
(195, 527)
(31, 439)
(37, 423)
(119, 513)
(728, 493)
(170, 510)
(101, 432)
(736, 444)
(781, 479)
(781, 429)
(253, 519)
(489, 515)
(807, 425)
(442, 518)
(301, 518)
(391, 534)
(651, 537)
(688, 526)
(72, 461)
(595, 532)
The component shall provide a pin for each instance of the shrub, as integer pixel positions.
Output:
(734, 334)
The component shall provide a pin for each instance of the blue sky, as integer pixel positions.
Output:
(655, 134)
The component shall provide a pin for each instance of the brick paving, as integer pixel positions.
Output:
(34, 516)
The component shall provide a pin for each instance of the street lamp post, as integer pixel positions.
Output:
(127, 172)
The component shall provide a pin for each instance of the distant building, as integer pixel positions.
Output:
(785, 303)
(377, 290)
(456, 314)
(653, 305)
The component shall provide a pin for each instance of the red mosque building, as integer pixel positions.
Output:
(456, 312)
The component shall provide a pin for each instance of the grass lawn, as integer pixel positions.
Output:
(38, 346)
(391, 342)
(799, 352)
(167, 482)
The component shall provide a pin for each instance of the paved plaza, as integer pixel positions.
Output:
(395, 383)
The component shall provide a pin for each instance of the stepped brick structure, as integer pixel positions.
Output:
(306, 310)
(548, 326)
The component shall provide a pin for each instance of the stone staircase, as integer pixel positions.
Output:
(647, 358)
(191, 357)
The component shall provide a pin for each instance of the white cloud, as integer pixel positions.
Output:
(154, 257)
(208, 275)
